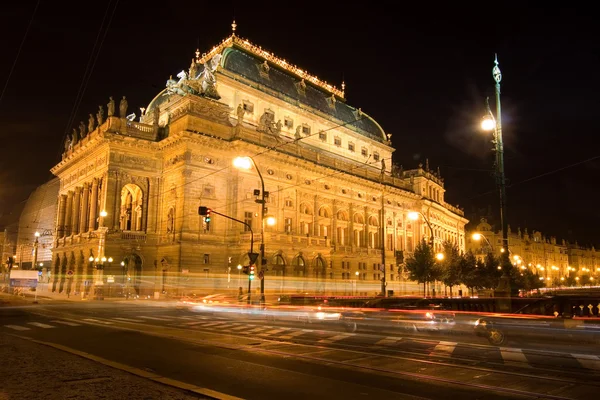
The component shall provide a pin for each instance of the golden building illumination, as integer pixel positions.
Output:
(338, 204)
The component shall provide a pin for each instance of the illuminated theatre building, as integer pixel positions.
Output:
(130, 192)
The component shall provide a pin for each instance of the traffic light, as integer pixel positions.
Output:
(202, 210)
(252, 268)
(246, 269)
(207, 217)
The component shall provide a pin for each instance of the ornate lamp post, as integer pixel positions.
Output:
(414, 216)
(495, 124)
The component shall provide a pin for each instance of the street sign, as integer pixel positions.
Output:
(110, 279)
(253, 257)
(23, 282)
(261, 274)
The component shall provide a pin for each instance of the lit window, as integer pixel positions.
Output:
(288, 122)
(337, 141)
(248, 107)
(351, 146)
(323, 136)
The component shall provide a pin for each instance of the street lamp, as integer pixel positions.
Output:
(440, 256)
(35, 250)
(414, 216)
(247, 163)
(494, 124)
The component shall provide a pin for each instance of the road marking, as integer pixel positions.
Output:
(155, 318)
(258, 329)
(97, 321)
(40, 325)
(336, 338)
(388, 340)
(66, 323)
(444, 348)
(274, 331)
(17, 327)
(241, 328)
(193, 323)
(214, 324)
(292, 335)
(588, 361)
(513, 356)
(128, 319)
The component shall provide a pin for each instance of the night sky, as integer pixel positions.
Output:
(423, 74)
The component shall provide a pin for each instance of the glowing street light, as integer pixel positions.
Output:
(488, 124)
(440, 256)
(414, 216)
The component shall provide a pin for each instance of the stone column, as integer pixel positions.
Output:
(351, 238)
(366, 226)
(76, 204)
(62, 207)
(315, 231)
(83, 218)
(334, 233)
(68, 214)
(116, 211)
(93, 205)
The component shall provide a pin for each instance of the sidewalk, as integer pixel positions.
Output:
(34, 371)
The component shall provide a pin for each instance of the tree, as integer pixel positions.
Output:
(421, 264)
(524, 279)
(490, 273)
(451, 265)
(469, 271)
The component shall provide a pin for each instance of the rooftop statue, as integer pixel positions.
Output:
(100, 115)
(81, 130)
(68, 142)
(203, 83)
(111, 107)
(75, 138)
(91, 124)
(123, 108)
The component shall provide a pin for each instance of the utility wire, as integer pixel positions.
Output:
(12, 68)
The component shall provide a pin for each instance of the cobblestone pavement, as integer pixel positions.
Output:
(33, 371)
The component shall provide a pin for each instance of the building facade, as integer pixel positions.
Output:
(552, 260)
(130, 190)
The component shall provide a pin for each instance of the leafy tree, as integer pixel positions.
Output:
(451, 265)
(421, 264)
(490, 273)
(570, 280)
(469, 271)
(524, 279)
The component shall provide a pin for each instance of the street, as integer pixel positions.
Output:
(220, 355)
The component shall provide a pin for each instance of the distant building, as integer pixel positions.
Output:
(541, 254)
(328, 180)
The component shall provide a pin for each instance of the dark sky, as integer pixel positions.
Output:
(423, 74)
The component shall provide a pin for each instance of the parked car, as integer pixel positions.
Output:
(557, 318)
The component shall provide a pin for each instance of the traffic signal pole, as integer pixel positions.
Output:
(204, 211)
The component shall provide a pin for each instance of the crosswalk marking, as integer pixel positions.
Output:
(443, 348)
(17, 327)
(66, 323)
(588, 361)
(40, 325)
(128, 319)
(388, 340)
(258, 329)
(336, 338)
(214, 324)
(274, 331)
(193, 323)
(155, 318)
(292, 335)
(241, 328)
(513, 356)
(97, 321)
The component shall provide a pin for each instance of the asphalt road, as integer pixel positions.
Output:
(247, 356)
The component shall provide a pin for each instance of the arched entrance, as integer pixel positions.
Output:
(279, 270)
(299, 268)
(131, 278)
(320, 268)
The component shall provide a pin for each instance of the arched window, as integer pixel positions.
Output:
(299, 266)
(305, 209)
(278, 265)
(358, 218)
(323, 212)
(131, 208)
(320, 268)
(342, 215)
(373, 221)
